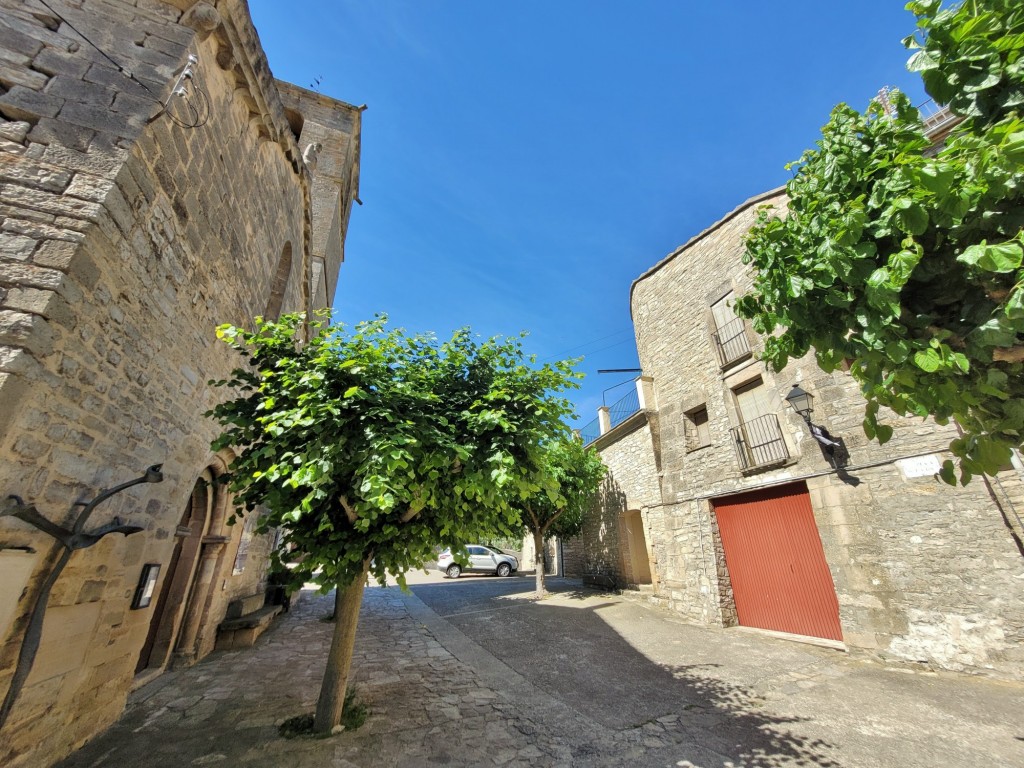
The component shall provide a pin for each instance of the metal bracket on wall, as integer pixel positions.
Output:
(69, 540)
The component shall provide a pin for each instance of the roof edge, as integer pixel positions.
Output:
(759, 198)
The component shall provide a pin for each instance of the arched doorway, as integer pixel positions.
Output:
(179, 578)
(639, 565)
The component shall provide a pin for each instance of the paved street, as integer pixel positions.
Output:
(475, 673)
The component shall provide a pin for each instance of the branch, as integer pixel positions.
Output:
(554, 517)
(409, 514)
(1009, 354)
(349, 512)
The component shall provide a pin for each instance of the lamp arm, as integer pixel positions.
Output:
(151, 475)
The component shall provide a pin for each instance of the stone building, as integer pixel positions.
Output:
(155, 181)
(721, 506)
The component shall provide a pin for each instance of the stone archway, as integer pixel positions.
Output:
(165, 624)
(199, 625)
(638, 566)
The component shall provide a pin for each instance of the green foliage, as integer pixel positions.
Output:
(372, 444)
(575, 473)
(355, 712)
(907, 261)
(353, 717)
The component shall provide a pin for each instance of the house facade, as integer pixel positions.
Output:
(722, 506)
(156, 181)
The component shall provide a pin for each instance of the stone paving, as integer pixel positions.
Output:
(477, 686)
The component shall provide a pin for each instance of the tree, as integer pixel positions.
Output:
(904, 260)
(370, 447)
(576, 474)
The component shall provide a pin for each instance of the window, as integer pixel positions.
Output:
(730, 332)
(698, 434)
(758, 438)
(280, 285)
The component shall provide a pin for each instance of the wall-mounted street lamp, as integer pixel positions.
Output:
(800, 401)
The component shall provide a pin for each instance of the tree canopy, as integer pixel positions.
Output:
(369, 448)
(904, 259)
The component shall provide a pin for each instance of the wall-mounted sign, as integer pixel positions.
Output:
(919, 466)
(147, 585)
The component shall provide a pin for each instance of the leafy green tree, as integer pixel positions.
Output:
(575, 473)
(369, 447)
(904, 259)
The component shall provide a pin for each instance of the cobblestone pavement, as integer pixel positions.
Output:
(491, 678)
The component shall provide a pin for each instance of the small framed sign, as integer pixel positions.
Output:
(147, 585)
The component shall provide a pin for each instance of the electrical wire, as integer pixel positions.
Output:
(99, 50)
(199, 111)
(592, 341)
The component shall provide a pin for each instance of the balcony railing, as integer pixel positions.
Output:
(731, 342)
(590, 432)
(620, 411)
(759, 442)
(936, 118)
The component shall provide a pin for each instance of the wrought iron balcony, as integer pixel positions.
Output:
(590, 432)
(621, 410)
(731, 342)
(759, 442)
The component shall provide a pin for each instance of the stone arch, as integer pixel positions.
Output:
(199, 626)
(634, 548)
(179, 577)
(279, 286)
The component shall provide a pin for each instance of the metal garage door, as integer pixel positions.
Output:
(776, 564)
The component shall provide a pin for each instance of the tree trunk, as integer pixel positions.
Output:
(339, 661)
(538, 545)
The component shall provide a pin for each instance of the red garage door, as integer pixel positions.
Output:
(776, 564)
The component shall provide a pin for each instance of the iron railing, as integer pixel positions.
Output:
(590, 432)
(731, 342)
(621, 410)
(759, 442)
(936, 118)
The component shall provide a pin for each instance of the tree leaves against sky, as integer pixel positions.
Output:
(905, 259)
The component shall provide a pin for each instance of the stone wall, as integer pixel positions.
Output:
(601, 552)
(128, 234)
(923, 572)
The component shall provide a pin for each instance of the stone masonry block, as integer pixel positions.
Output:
(104, 74)
(27, 214)
(15, 131)
(49, 202)
(12, 75)
(18, 274)
(39, 230)
(50, 61)
(52, 131)
(22, 329)
(46, 304)
(16, 247)
(74, 90)
(56, 254)
(89, 187)
(22, 103)
(43, 177)
(13, 40)
(102, 119)
(97, 161)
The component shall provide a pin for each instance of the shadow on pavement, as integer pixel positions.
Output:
(569, 651)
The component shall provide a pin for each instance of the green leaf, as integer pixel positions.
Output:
(1005, 257)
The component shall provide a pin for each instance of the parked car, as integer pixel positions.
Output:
(481, 560)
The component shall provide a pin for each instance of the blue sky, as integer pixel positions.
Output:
(523, 163)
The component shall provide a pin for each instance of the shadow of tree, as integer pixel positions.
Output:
(674, 712)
